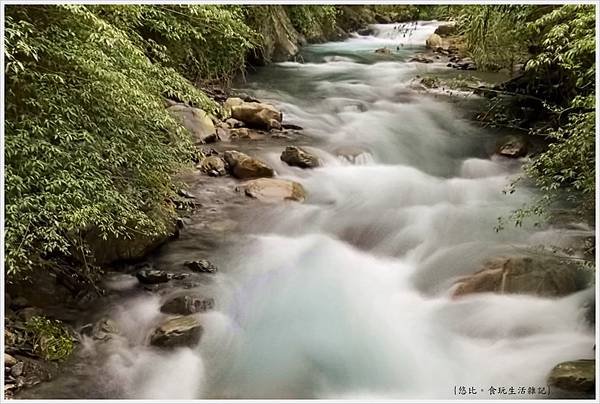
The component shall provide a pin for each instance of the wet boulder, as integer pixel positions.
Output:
(298, 157)
(512, 146)
(524, 275)
(201, 265)
(243, 166)
(213, 165)
(434, 41)
(103, 330)
(178, 332)
(257, 114)
(577, 376)
(274, 190)
(152, 276)
(185, 305)
(196, 121)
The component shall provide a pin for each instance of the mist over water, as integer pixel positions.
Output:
(348, 294)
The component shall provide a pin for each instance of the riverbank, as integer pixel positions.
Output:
(363, 157)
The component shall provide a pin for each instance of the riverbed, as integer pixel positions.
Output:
(348, 295)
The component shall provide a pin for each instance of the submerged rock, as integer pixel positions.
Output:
(383, 51)
(365, 31)
(103, 330)
(187, 305)
(430, 82)
(201, 266)
(243, 166)
(196, 121)
(434, 41)
(177, 332)
(527, 275)
(274, 190)
(213, 165)
(574, 376)
(421, 59)
(256, 114)
(296, 156)
(152, 276)
(512, 146)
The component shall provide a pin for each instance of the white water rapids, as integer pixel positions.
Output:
(348, 294)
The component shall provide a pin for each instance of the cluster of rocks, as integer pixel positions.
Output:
(258, 176)
(183, 327)
(244, 117)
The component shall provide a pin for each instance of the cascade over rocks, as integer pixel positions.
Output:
(152, 276)
(243, 166)
(296, 156)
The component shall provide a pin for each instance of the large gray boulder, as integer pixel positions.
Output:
(177, 332)
(574, 376)
(525, 275)
(243, 166)
(256, 114)
(196, 121)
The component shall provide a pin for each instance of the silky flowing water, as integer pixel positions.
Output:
(347, 295)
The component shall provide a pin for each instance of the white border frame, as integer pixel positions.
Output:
(293, 2)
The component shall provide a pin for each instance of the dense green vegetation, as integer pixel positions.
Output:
(90, 147)
(557, 45)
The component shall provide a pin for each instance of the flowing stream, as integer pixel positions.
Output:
(348, 295)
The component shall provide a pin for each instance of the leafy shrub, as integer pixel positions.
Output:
(316, 23)
(50, 339)
(88, 142)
